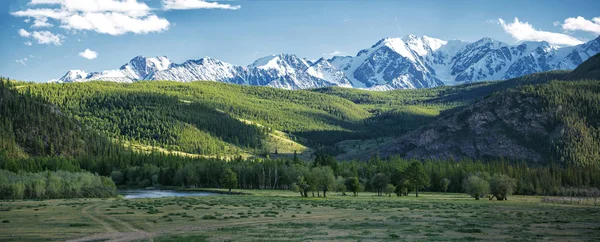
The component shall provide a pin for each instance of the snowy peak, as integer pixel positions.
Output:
(140, 67)
(396, 45)
(73, 76)
(423, 45)
(206, 61)
(325, 70)
(283, 64)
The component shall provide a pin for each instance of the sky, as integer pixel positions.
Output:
(43, 39)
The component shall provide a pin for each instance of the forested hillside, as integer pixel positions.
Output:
(202, 117)
(30, 126)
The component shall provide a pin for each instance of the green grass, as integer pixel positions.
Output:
(282, 215)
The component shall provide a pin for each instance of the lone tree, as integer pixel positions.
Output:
(379, 181)
(416, 176)
(403, 188)
(117, 177)
(353, 185)
(340, 185)
(325, 179)
(296, 160)
(312, 179)
(502, 186)
(444, 184)
(476, 187)
(389, 189)
(302, 186)
(229, 179)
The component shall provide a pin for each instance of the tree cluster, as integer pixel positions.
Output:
(54, 185)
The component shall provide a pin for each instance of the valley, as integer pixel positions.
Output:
(214, 120)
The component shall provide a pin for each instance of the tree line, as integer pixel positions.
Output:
(325, 174)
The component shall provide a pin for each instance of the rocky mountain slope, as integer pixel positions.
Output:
(392, 63)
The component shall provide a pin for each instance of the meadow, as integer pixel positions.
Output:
(284, 215)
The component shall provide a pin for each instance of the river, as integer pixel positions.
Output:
(141, 193)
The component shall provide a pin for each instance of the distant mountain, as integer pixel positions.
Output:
(139, 68)
(392, 63)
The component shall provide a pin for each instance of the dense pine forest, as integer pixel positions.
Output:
(207, 134)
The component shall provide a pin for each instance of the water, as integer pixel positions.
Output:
(140, 193)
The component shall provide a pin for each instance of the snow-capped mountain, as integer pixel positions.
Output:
(137, 69)
(141, 67)
(392, 63)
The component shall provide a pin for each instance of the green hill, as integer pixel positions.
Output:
(203, 118)
(590, 68)
(36, 135)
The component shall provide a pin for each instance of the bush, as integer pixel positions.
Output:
(476, 187)
(502, 186)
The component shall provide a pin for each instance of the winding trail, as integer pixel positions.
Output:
(85, 212)
(111, 234)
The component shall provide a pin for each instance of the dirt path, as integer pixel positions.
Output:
(85, 212)
(111, 233)
(116, 220)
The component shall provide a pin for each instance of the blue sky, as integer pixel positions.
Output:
(42, 39)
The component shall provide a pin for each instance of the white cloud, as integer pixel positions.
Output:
(114, 17)
(42, 13)
(24, 33)
(335, 53)
(131, 7)
(47, 37)
(42, 37)
(34, 2)
(22, 61)
(523, 31)
(41, 23)
(582, 24)
(89, 54)
(115, 23)
(196, 4)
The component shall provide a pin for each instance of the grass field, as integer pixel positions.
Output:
(282, 215)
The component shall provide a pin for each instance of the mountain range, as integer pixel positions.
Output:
(409, 62)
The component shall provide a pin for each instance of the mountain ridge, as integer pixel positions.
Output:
(392, 63)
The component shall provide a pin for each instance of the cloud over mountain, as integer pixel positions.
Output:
(523, 31)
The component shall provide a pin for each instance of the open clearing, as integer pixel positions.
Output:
(281, 215)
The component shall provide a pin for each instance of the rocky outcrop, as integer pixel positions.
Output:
(512, 125)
